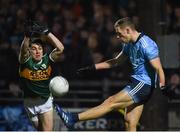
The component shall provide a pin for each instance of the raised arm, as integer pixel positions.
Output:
(24, 50)
(55, 54)
(41, 29)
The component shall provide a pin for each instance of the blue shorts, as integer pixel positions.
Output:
(139, 91)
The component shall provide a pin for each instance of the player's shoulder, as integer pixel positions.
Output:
(46, 56)
(146, 42)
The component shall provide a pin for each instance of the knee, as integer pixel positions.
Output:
(109, 102)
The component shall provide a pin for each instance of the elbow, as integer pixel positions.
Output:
(62, 49)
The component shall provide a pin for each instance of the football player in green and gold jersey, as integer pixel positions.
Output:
(35, 73)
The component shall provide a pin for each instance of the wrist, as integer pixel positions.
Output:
(162, 87)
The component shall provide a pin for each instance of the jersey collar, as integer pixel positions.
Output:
(140, 36)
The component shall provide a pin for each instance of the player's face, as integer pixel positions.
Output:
(36, 51)
(123, 34)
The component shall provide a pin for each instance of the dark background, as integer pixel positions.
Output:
(86, 29)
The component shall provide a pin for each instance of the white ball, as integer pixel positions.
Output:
(58, 86)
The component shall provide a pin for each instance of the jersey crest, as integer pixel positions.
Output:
(36, 75)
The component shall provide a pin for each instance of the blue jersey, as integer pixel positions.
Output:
(140, 53)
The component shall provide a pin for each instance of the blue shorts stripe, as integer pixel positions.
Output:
(139, 91)
(137, 88)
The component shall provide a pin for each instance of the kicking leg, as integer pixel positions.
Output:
(119, 100)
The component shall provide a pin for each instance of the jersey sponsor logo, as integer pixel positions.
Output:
(36, 75)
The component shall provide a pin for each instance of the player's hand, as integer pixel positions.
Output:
(40, 28)
(166, 91)
(86, 70)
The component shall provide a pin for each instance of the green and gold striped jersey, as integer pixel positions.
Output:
(35, 77)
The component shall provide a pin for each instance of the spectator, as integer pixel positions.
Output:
(174, 84)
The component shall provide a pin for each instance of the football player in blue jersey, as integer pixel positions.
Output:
(143, 53)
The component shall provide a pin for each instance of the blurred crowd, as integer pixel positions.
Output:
(174, 84)
(172, 24)
(172, 17)
(86, 29)
(84, 26)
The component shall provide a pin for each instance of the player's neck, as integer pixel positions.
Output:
(135, 36)
(37, 61)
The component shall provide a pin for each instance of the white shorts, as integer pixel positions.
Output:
(36, 106)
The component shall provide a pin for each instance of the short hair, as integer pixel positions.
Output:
(124, 22)
(36, 40)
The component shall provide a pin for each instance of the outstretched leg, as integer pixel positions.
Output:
(119, 100)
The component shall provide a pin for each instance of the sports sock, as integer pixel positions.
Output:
(75, 117)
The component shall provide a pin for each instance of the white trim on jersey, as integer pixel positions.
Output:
(26, 60)
(119, 55)
(144, 43)
(120, 52)
(50, 55)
